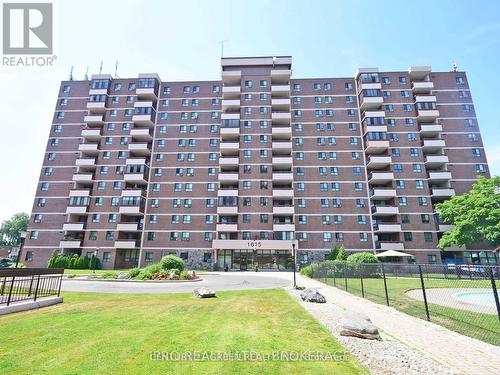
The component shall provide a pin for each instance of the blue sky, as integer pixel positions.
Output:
(181, 40)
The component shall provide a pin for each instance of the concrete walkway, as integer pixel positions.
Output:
(457, 352)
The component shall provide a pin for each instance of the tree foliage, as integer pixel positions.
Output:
(341, 255)
(10, 230)
(475, 215)
(362, 257)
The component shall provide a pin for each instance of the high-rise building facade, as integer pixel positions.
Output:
(236, 172)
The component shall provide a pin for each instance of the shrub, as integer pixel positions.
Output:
(184, 275)
(133, 273)
(149, 271)
(307, 270)
(170, 262)
(341, 254)
(363, 257)
(73, 262)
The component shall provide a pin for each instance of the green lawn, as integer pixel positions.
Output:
(484, 327)
(94, 333)
(90, 272)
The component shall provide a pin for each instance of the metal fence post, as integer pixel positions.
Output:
(495, 292)
(36, 288)
(385, 285)
(423, 292)
(334, 270)
(361, 280)
(60, 283)
(345, 276)
(10, 290)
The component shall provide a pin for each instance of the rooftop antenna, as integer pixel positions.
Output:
(274, 60)
(71, 73)
(87, 74)
(116, 69)
(100, 68)
(455, 66)
(222, 48)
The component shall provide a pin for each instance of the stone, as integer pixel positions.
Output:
(203, 292)
(191, 274)
(312, 295)
(357, 324)
(122, 276)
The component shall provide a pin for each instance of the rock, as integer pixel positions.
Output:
(312, 295)
(300, 287)
(191, 274)
(203, 292)
(356, 324)
(122, 276)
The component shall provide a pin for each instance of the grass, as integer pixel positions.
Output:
(94, 333)
(484, 327)
(102, 273)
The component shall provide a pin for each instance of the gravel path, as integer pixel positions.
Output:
(409, 345)
(444, 297)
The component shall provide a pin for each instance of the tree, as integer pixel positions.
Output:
(10, 230)
(333, 254)
(341, 255)
(475, 215)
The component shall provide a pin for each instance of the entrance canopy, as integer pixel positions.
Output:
(393, 253)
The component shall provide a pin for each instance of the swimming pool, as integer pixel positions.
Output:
(483, 298)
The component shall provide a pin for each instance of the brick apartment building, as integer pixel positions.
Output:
(234, 172)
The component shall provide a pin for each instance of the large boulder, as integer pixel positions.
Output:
(357, 324)
(203, 292)
(312, 295)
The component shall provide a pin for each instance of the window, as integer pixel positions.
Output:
(425, 218)
(408, 236)
(363, 237)
(432, 259)
(402, 80)
(34, 235)
(459, 80)
(327, 237)
(37, 218)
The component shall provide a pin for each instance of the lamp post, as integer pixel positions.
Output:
(96, 252)
(294, 266)
(21, 244)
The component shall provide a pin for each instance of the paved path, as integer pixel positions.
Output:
(460, 353)
(215, 280)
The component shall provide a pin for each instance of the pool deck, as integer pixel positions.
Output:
(444, 297)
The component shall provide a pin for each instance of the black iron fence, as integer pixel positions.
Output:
(24, 284)
(462, 298)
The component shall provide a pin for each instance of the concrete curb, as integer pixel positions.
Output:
(30, 305)
(136, 281)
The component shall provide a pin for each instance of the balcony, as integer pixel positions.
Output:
(79, 193)
(230, 104)
(283, 227)
(435, 161)
(281, 118)
(280, 76)
(282, 133)
(89, 148)
(398, 246)
(132, 193)
(139, 149)
(91, 134)
(282, 193)
(430, 131)
(282, 177)
(385, 210)
(376, 146)
(387, 228)
(439, 177)
(146, 93)
(422, 87)
(433, 145)
(83, 177)
(70, 244)
(135, 178)
(131, 210)
(86, 162)
(442, 193)
(141, 135)
(73, 226)
(229, 148)
(228, 177)
(380, 177)
(382, 194)
(94, 119)
(280, 104)
(231, 92)
(227, 227)
(282, 147)
(370, 86)
(371, 103)
(231, 77)
(229, 162)
(282, 162)
(227, 210)
(445, 227)
(234, 116)
(280, 91)
(127, 244)
(378, 162)
(283, 210)
(146, 119)
(128, 227)
(227, 192)
(79, 210)
(229, 133)
(96, 107)
(419, 72)
(427, 115)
